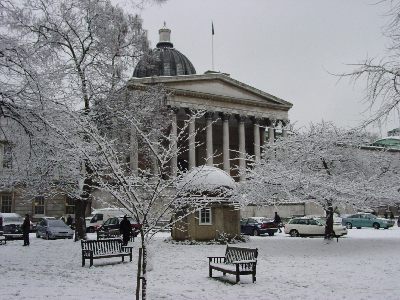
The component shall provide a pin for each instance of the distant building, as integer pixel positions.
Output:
(394, 132)
(239, 118)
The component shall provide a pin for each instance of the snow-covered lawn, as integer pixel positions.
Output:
(364, 265)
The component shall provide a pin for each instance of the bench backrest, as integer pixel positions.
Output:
(239, 254)
(102, 246)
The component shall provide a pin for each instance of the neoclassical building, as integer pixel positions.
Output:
(239, 118)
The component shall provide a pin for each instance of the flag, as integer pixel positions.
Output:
(212, 28)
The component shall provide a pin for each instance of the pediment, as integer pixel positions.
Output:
(215, 85)
(223, 86)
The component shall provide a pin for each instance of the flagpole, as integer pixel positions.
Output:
(212, 52)
(212, 45)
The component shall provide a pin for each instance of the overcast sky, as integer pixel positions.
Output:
(283, 47)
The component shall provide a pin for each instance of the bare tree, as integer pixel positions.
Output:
(382, 74)
(68, 53)
(325, 165)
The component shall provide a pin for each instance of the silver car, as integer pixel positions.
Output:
(53, 229)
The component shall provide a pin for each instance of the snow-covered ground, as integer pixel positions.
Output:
(363, 265)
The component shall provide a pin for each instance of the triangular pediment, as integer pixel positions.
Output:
(220, 85)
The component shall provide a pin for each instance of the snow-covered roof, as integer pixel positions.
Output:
(206, 179)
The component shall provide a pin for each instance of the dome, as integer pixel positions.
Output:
(164, 60)
(206, 179)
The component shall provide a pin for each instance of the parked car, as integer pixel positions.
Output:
(11, 225)
(305, 226)
(53, 229)
(360, 220)
(258, 226)
(100, 215)
(112, 224)
(36, 221)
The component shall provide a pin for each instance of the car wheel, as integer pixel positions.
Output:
(47, 236)
(255, 232)
(37, 234)
(349, 225)
(271, 233)
(358, 227)
(294, 233)
(376, 225)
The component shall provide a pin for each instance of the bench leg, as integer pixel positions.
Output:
(237, 273)
(83, 261)
(123, 258)
(91, 262)
(254, 277)
(130, 256)
(209, 271)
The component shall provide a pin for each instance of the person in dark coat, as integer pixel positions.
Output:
(125, 228)
(278, 221)
(69, 221)
(26, 226)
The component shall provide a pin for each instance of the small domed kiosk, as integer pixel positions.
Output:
(207, 191)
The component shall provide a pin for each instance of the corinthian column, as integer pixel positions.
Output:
(256, 128)
(133, 164)
(242, 148)
(209, 141)
(192, 143)
(225, 142)
(174, 134)
(271, 128)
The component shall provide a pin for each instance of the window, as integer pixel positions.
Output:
(69, 206)
(38, 205)
(205, 216)
(5, 203)
(5, 155)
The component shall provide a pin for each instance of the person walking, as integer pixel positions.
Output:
(26, 226)
(69, 221)
(125, 228)
(278, 221)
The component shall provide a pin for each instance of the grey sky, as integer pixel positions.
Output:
(283, 47)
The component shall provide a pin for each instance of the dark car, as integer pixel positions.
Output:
(112, 225)
(258, 226)
(11, 225)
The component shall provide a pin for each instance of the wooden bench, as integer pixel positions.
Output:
(237, 261)
(112, 235)
(3, 239)
(92, 249)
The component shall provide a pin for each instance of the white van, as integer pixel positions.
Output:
(100, 215)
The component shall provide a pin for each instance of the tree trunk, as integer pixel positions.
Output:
(80, 205)
(80, 224)
(329, 222)
(142, 269)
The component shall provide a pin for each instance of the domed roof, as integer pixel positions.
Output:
(164, 60)
(206, 179)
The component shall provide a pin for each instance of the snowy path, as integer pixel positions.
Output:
(363, 265)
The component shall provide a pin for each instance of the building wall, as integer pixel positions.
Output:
(284, 210)
(225, 220)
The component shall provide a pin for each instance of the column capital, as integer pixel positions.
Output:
(256, 120)
(225, 116)
(174, 110)
(271, 122)
(190, 111)
(285, 122)
(241, 118)
(209, 115)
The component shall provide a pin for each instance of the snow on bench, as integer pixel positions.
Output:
(237, 261)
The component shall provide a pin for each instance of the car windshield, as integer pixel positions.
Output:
(13, 219)
(56, 223)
